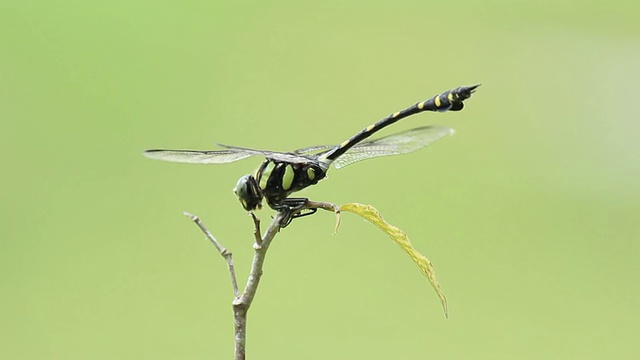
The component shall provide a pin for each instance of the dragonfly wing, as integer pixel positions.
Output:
(313, 149)
(400, 143)
(199, 157)
(292, 157)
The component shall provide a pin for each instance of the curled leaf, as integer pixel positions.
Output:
(372, 215)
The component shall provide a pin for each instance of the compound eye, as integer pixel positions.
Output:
(248, 193)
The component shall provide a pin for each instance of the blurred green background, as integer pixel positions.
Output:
(530, 212)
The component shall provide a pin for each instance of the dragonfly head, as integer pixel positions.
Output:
(249, 193)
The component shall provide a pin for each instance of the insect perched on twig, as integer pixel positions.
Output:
(283, 173)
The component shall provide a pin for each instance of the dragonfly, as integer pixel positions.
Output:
(283, 173)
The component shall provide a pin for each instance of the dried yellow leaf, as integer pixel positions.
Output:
(372, 215)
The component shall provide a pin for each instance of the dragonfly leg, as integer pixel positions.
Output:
(294, 208)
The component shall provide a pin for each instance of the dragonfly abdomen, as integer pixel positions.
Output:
(450, 100)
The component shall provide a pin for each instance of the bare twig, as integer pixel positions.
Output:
(226, 254)
(242, 302)
(326, 206)
(256, 229)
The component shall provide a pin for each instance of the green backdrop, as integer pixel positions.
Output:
(530, 212)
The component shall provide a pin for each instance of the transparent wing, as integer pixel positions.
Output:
(400, 143)
(312, 149)
(223, 156)
(292, 157)
(199, 157)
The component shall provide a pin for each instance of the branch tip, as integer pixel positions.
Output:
(191, 217)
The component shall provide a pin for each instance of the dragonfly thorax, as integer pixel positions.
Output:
(276, 180)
